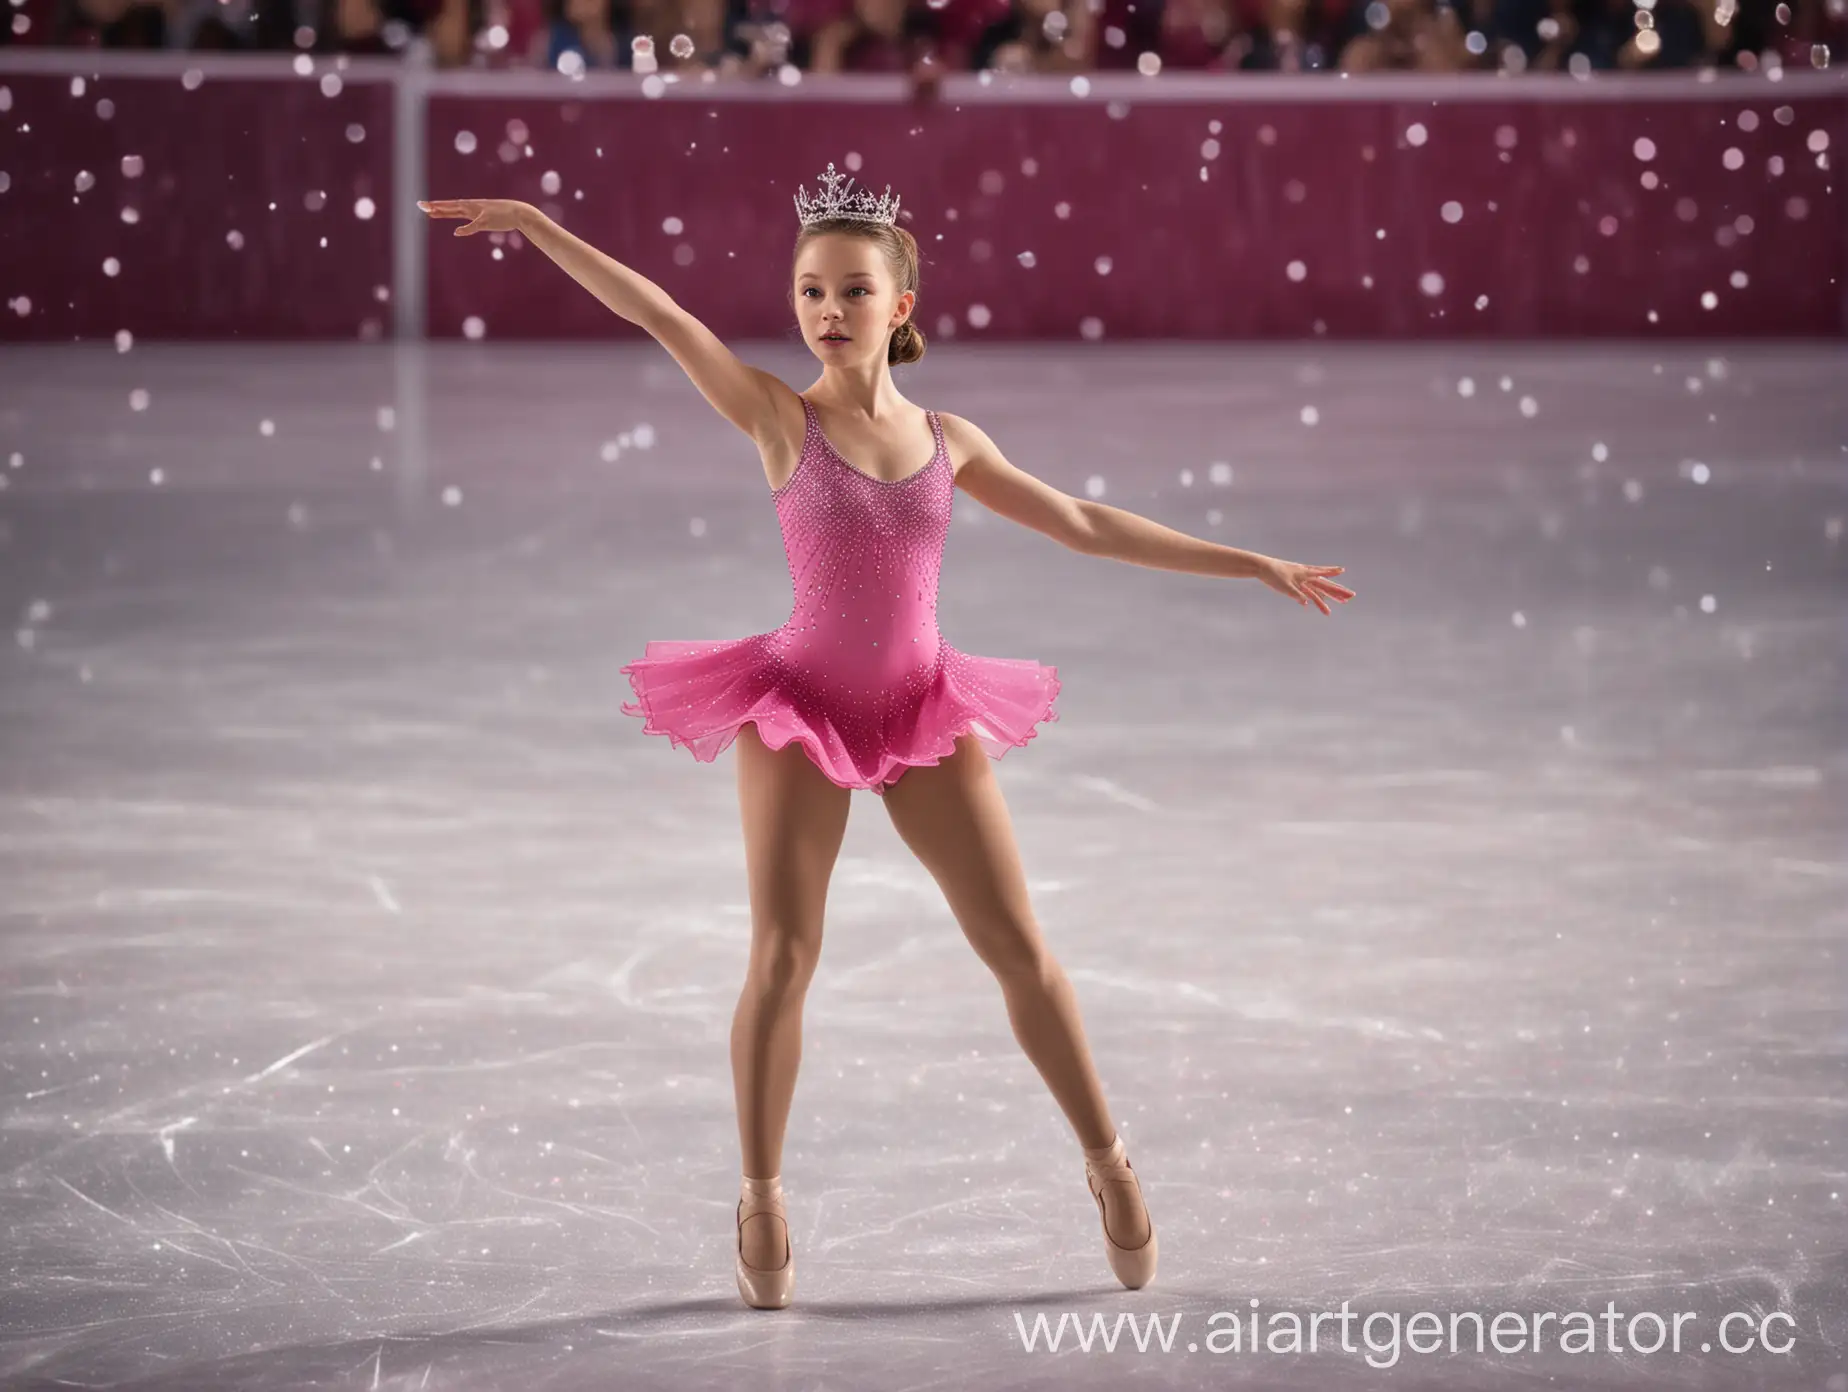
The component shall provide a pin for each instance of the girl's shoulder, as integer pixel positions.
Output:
(955, 428)
(962, 440)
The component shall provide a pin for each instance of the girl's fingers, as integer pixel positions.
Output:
(1318, 592)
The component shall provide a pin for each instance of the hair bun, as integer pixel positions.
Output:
(907, 344)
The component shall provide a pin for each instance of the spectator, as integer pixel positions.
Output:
(875, 36)
(1736, 33)
(767, 37)
(1678, 41)
(960, 26)
(802, 20)
(722, 38)
(1545, 31)
(1126, 30)
(114, 24)
(1198, 35)
(358, 27)
(1744, 33)
(1038, 36)
(513, 28)
(1608, 34)
(1295, 36)
(206, 24)
(748, 38)
(178, 24)
(597, 31)
(452, 31)
(217, 28)
(1407, 35)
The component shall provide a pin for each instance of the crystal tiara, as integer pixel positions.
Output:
(836, 202)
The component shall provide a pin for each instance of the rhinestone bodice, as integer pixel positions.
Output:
(865, 557)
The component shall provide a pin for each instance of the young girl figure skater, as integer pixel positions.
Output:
(859, 689)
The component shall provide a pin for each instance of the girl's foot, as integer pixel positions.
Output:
(1129, 1235)
(766, 1264)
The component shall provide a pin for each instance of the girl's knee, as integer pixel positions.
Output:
(782, 961)
(1016, 955)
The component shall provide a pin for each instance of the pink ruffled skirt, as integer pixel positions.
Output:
(700, 694)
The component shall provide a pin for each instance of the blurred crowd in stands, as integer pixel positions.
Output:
(775, 39)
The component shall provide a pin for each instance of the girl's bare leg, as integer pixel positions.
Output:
(955, 821)
(794, 822)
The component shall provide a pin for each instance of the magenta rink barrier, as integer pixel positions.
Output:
(266, 201)
(219, 207)
(1520, 214)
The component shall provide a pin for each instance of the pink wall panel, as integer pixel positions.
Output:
(1557, 229)
(1047, 217)
(213, 159)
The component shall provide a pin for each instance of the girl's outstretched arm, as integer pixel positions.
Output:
(744, 395)
(1128, 536)
(628, 293)
(1096, 529)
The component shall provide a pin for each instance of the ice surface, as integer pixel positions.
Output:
(366, 975)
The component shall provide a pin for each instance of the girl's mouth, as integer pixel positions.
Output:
(834, 338)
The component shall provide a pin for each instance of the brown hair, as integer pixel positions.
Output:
(906, 344)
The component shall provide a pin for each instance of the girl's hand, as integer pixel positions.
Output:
(1304, 583)
(489, 214)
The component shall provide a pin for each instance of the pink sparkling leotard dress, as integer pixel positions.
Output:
(859, 674)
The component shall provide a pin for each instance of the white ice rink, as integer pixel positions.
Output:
(366, 975)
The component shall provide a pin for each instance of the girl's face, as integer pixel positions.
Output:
(843, 286)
